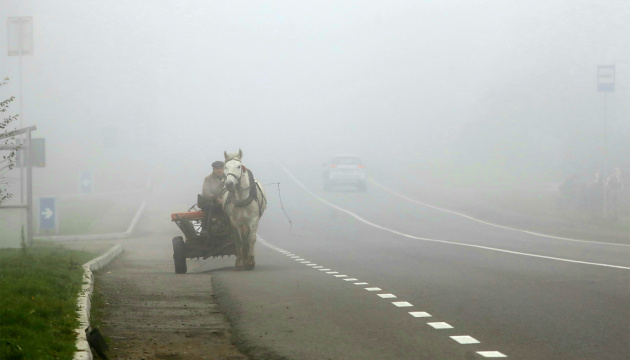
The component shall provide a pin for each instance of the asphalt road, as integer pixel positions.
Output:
(508, 292)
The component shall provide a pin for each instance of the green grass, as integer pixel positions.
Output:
(38, 309)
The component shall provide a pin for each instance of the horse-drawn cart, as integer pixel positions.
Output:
(206, 234)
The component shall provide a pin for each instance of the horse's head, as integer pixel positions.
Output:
(234, 171)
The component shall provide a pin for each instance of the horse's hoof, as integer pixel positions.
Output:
(238, 265)
(250, 266)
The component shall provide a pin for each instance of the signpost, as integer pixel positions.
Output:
(20, 43)
(605, 84)
(606, 78)
(48, 219)
(85, 182)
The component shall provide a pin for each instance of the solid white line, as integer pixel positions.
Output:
(489, 223)
(444, 241)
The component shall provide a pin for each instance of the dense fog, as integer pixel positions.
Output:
(505, 87)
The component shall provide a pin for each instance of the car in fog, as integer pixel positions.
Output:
(344, 170)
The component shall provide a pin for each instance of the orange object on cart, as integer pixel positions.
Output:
(192, 215)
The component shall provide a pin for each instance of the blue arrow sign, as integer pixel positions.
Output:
(48, 213)
(85, 182)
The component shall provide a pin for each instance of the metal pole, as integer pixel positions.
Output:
(29, 192)
(20, 44)
(605, 152)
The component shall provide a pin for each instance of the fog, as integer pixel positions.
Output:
(490, 85)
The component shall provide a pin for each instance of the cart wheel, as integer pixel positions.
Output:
(179, 255)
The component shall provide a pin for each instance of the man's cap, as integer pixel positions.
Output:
(218, 164)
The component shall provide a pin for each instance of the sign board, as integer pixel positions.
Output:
(48, 219)
(20, 32)
(606, 78)
(85, 182)
(38, 153)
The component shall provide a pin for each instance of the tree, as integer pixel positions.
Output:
(8, 161)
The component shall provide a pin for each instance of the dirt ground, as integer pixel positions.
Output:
(152, 313)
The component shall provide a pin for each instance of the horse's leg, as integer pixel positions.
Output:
(238, 244)
(250, 260)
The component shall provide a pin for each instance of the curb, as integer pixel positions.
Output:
(84, 302)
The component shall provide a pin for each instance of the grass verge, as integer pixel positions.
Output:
(38, 301)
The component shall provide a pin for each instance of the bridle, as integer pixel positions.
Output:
(237, 179)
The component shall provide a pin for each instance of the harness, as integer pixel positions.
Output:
(253, 192)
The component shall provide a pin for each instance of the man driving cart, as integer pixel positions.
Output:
(210, 200)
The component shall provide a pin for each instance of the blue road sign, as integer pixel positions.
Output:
(48, 213)
(85, 182)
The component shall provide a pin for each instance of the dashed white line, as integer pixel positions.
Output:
(491, 354)
(387, 296)
(419, 314)
(440, 325)
(462, 339)
(465, 339)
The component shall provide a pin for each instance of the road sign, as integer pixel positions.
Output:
(48, 213)
(20, 36)
(38, 153)
(85, 182)
(606, 78)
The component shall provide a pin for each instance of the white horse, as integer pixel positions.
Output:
(244, 202)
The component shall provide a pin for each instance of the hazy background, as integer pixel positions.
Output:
(117, 87)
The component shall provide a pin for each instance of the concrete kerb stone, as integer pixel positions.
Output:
(84, 302)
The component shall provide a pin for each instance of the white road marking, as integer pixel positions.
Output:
(419, 314)
(491, 354)
(440, 325)
(465, 339)
(332, 272)
(462, 339)
(444, 241)
(387, 296)
(489, 223)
